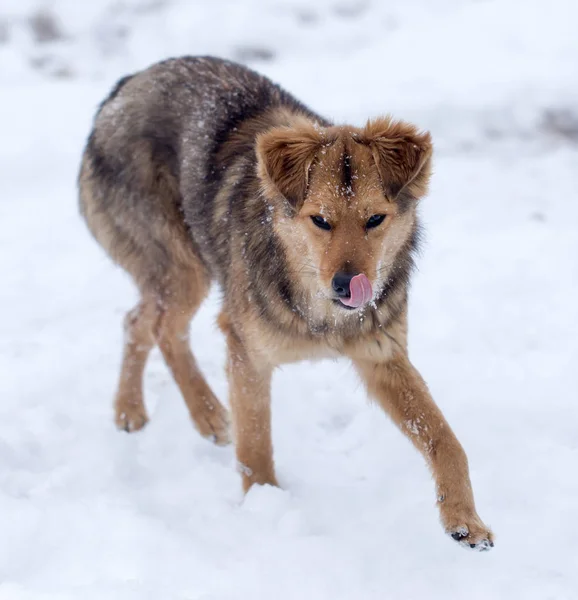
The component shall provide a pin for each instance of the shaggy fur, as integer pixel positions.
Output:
(200, 170)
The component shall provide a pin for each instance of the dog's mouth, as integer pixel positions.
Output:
(338, 302)
(359, 294)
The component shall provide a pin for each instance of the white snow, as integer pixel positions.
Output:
(88, 512)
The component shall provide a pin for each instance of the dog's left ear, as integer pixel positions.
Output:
(402, 155)
(285, 156)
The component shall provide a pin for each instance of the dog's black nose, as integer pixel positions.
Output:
(341, 283)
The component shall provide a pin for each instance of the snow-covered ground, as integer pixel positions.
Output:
(87, 512)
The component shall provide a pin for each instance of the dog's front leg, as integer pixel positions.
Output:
(403, 394)
(250, 397)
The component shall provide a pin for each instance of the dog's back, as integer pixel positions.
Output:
(155, 162)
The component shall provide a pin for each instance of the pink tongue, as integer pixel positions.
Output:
(361, 292)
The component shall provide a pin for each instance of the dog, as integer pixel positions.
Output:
(198, 170)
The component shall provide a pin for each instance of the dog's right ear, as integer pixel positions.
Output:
(285, 156)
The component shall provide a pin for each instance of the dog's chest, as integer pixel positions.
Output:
(377, 346)
(292, 350)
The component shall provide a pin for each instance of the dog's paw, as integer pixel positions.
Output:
(214, 424)
(131, 418)
(463, 524)
(482, 540)
(252, 478)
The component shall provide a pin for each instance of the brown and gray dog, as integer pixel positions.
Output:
(199, 169)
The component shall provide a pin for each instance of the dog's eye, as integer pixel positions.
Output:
(374, 221)
(320, 222)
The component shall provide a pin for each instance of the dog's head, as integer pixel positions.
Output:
(347, 202)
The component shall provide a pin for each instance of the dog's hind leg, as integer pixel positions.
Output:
(139, 326)
(208, 414)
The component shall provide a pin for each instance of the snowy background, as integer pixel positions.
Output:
(88, 512)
